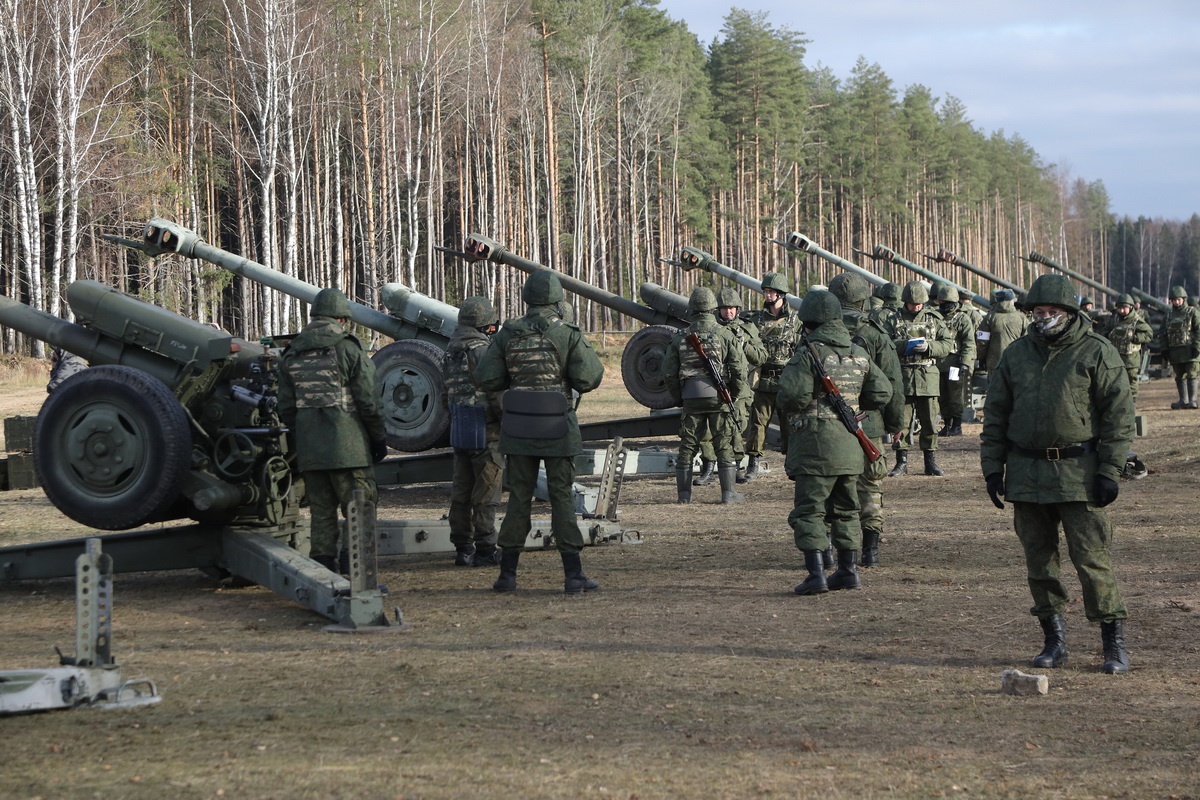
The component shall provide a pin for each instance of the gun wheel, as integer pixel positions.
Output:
(409, 373)
(642, 365)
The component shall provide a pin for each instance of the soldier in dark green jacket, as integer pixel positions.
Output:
(541, 361)
(921, 339)
(1058, 422)
(1002, 326)
(474, 434)
(954, 368)
(329, 399)
(1128, 333)
(1181, 338)
(823, 458)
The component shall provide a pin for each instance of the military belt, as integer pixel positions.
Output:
(770, 372)
(1055, 453)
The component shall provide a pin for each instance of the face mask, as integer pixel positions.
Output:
(947, 307)
(1052, 326)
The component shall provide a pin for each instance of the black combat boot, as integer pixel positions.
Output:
(574, 581)
(1193, 400)
(707, 473)
(728, 475)
(464, 555)
(931, 465)
(947, 426)
(507, 582)
(1116, 660)
(683, 484)
(955, 427)
(1054, 651)
(751, 469)
(487, 555)
(815, 582)
(846, 576)
(870, 548)
(901, 467)
(827, 558)
(1181, 387)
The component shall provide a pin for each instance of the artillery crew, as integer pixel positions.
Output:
(954, 381)
(921, 339)
(701, 363)
(1181, 339)
(1128, 332)
(779, 330)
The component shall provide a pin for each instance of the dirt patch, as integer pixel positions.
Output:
(693, 672)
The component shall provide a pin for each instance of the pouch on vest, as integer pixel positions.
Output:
(468, 427)
(698, 389)
(535, 415)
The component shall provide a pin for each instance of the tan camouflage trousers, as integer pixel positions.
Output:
(870, 492)
(762, 410)
(327, 491)
(475, 496)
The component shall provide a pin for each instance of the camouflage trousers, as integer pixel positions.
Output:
(1133, 367)
(953, 394)
(708, 452)
(925, 409)
(521, 478)
(870, 492)
(762, 410)
(1186, 369)
(825, 509)
(478, 480)
(327, 491)
(716, 429)
(1088, 532)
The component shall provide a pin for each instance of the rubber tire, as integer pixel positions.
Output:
(642, 366)
(153, 448)
(409, 373)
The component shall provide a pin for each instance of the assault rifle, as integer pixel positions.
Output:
(852, 421)
(713, 373)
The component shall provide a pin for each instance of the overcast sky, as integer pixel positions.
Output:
(1110, 90)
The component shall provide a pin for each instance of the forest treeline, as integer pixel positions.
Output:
(340, 142)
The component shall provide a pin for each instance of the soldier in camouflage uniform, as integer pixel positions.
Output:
(921, 339)
(329, 399)
(779, 330)
(824, 459)
(474, 434)
(729, 305)
(954, 379)
(541, 361)
(689, 385)
(1181, 338)
(888, 311)
(1002, 326)
(1128, 333)
(852, 291)
(1057, 426)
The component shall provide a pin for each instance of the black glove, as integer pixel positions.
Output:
(379, 450)
(1106, 490)
(995, 487)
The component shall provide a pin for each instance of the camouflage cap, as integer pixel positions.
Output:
(852, 290)
(777, 281)
(944, 293)
(820, 306)
(1052, 290)
(888, 292)
(729, 298)
(1177, 291)
(702, 299)
(1125, 300)
(330, 303)
(915, 292)
(477, 312)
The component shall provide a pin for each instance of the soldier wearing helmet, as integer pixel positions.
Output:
(921, 339)
(1129, 333)
(779, 330)
(1180, 337)
(954, 379)
(1058, 423)
(687, 379)
(824, 459)
(329, 399)
(729, 307)
(1001, 326)
(478, 469)
(543, 362)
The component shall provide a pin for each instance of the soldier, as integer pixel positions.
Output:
(888, 312)
(690, 385)
(1058, 423)
(1128, 332)
(1180, 337)
(63, 364)
(954, 369)
(1002, 326)
(824, 459)
(474, 434)
(920, 339)
(729, 305)
(852, 292)
(541, 361)
(779, 331)
(329, 399)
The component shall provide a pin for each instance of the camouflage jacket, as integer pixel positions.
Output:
(329, 398)
(779, 336)
(681, 363)
(1180, 335)
(747, 334)
(1128, 334)
(1073, 390)
(871, 335)
(961, 327)
(458, 371)
(1002, 326)
(920, 371)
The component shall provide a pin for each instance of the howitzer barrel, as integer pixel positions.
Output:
(419, 309)
(1038, 258)
(949, 258)
(691, 258)
(798, 241)
(664, 300)
(882, 253)
(1150, 300)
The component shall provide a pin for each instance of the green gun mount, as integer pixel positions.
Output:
(883, 253)
(944, 256)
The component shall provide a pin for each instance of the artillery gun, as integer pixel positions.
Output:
(801, 243)
(1037, 258)
(1150, 300)
(409, 370)
(691, 258)
(946, 257)
(882, 253)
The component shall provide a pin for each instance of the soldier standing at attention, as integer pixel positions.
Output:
(1057, 426)
(690, 385)
(921, 339)
(1128, 332)
(541, 361)
(474, 434)
(955, 367)
(329, 399)
(1002, 326)
(852, 292)
(729, 306)
(824, 459)
(779, 331)
(1181, 338)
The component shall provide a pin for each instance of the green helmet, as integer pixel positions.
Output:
(964, 296)
(1125, 300)
(1052, 290)
(850, 289)
(1004, 294)
(729, 298)
(819, 307)
(1177, 291)
(915, 292)
(888, 293)
(330, 303)
(542, 288)
(477, 312)
(702, 299)
(777, 281)
(944, 293)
